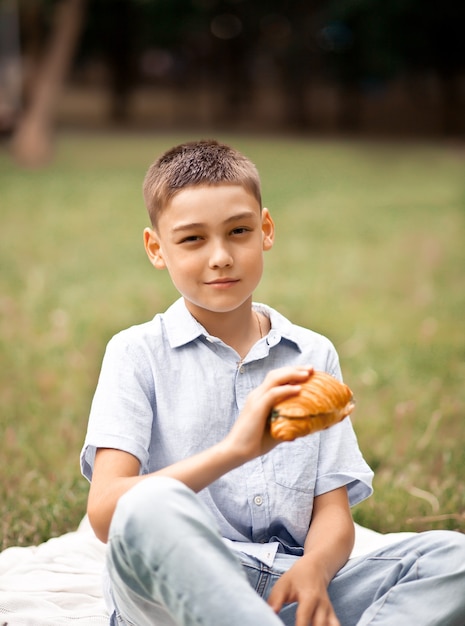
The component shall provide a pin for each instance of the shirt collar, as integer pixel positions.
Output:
(182, 328)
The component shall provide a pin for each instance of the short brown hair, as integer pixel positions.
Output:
(204, 162)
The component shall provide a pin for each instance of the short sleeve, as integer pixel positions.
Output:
(121, 414)
(341, 463)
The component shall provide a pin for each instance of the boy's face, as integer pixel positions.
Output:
(211, 239)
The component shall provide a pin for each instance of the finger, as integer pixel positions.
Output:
(279, 384)
(288, 374)
(277, 598)
(275, 605)
(319, 615)
(306, 614)
(276, 394)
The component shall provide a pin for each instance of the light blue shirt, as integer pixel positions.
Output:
(168, 390)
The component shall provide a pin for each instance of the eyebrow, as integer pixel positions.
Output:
(234, 218)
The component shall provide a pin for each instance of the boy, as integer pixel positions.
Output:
(208, 520)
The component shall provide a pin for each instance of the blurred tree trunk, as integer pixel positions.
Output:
(122, 35)
(350, 108)
(32, 140)
(452, 105)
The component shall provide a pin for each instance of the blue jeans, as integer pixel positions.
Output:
(169, 567)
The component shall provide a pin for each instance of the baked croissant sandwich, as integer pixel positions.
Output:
(322, 402)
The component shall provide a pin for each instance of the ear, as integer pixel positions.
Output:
(153, 248)
(267, 229)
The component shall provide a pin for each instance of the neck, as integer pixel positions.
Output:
(240, 328)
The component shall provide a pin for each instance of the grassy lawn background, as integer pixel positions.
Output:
(370, 251)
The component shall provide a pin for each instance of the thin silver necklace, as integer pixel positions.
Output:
(259, 325)
(239, 363)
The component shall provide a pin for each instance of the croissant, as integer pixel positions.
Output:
(322, 402)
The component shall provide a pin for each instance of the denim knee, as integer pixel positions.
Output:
(453, 543)
(449, 541)
(150, 507)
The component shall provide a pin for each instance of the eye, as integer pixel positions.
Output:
(240, 230)
(190, 239)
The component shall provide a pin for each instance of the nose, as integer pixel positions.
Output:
(220, 256)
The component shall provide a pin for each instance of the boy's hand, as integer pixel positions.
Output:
(327, 547)
(250, 437)
(304, 584)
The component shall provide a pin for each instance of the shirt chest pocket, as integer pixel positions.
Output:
(295, 463)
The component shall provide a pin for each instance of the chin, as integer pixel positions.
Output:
(227, 306)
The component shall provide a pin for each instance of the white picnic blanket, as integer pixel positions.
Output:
(58, 583)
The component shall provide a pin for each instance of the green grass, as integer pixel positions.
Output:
(370, 251)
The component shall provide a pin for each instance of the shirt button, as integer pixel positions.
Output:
(258, 500)
(241, 371)
(273, 338)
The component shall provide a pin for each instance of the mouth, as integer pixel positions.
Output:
(222, 282)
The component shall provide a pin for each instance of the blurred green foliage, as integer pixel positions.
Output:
(370, 251)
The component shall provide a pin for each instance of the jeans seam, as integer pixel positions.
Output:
(263, 579)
